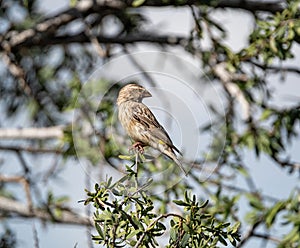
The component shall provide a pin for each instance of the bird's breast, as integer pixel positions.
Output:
(134, 129)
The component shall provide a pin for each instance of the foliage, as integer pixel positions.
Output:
(126, 214)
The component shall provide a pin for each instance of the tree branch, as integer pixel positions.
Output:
(17, 71)
(249, 233)
(266, 236)
(21, 210)
(44, 32)
(276, 69)
(233, 90)
(29, 149)
(55, 132)
(285, 163)
(252, 5)
(83, 38)
(24, 182)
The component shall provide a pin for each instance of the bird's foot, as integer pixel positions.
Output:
(137, 146)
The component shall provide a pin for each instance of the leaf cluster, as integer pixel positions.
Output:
(269, 215)
(199, 228)
(126, 215)
(274, 37)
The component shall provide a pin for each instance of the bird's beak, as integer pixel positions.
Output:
(146, 94)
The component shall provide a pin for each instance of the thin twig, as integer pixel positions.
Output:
(249, 233)
(197, 25)
(30, 149)
(65, 217)
(35, 236)
(51, 171)
(56, 132)
(88, 207)
(18, 72)
(137, 167)
(170, 40)
(266, 236)
(24, 182)
(276, 69)
(93, 38)
(286, 163)
(23, 163)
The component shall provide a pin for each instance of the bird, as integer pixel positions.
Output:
(141, 125)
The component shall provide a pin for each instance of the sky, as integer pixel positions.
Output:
(187, 98)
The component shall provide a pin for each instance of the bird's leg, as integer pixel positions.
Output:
(138, 146)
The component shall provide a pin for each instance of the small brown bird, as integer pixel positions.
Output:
(140, 123)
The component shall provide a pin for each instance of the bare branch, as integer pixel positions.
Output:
(55, 132)
(252, 5)
(285, 163)
(249, 233)
(35, 236)
(226, 79)
(29, 149)
(84, 38)
(276, 69)
(44, 32)
(267, 237)
(24, 182)
(93, 38)
(21, 210)
(17, 71)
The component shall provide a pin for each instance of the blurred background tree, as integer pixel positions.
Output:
(59, 133)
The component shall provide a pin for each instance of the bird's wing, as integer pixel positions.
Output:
(144, 116)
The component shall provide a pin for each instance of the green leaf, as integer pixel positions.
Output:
(243, 171)
(224, 225)
(99, 230)
(294, 218)
(297, 30)
(161, 226)
(185, 240)
(230, 238)
(273, 44)
(204, 204)
(133, 233)
(173, 234)
(73, 3)
(109, 182)
(137, 3)
(255, 202)
(132, 243)
(235, 228)
(272, 213)
(185, 227)
(126, 157)
(181, 203)
(292, 235)
(266, 114)
(222, 240)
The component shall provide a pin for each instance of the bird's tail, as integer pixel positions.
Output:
(172, 155)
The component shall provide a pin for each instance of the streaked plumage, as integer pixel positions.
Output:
(140, 123)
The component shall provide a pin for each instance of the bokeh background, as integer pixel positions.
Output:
(184, 95)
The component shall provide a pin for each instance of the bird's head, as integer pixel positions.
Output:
(132, 92)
